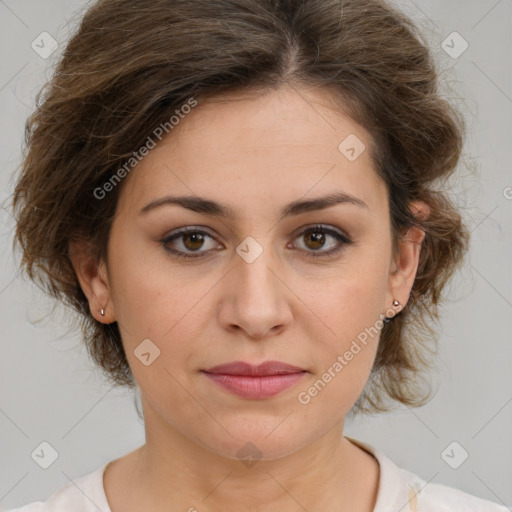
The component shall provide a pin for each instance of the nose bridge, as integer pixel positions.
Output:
(256, 302)
(257, 268)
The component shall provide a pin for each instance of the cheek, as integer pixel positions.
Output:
(155, 301)
(145, 292)
(345, 354)
(352, 298)
(351, 310)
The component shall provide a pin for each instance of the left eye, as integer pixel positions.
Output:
(192, 240)
(315, 238)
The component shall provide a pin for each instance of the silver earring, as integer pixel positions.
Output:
(395, 304)
(102, 312)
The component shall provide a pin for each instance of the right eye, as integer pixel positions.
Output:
(189, 241)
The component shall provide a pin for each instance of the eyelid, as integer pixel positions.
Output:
(176, 234)
(320, 227)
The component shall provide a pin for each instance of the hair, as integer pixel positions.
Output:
(131, 63)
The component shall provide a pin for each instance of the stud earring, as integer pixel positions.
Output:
(102, 312)
(395, 304)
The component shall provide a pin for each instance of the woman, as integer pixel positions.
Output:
(237, 198)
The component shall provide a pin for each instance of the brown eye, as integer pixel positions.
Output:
(188, 243)
(317, 237)
(193, 241)
(314, 240)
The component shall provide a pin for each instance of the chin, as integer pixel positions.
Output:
(257, 441)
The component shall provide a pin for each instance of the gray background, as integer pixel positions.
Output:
(51, 392)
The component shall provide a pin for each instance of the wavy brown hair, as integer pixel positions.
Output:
(131, 63)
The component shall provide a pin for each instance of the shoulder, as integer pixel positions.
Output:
(433, 497)
(85, 494)
(403, 490)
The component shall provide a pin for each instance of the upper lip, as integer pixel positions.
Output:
(266, 368)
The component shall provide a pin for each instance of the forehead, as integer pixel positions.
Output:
(286, 143)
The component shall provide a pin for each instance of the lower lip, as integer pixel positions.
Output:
(256, 387)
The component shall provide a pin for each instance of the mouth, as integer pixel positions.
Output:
(255, 382)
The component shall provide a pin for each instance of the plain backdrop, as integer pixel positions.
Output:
(50, 391)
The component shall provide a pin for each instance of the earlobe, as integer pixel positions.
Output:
(402, 279)
(92, 276)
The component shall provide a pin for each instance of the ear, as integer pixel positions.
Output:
(92, 275)
(402, 272)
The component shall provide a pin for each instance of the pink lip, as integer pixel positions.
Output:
(262, 381)
(266, 368)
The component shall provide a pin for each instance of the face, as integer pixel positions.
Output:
(300, 284)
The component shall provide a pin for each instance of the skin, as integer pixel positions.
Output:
(255, 153)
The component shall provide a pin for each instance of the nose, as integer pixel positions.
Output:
(255, 298)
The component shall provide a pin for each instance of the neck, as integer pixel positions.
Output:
(172, 472)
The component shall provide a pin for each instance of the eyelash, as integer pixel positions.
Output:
(310, 254)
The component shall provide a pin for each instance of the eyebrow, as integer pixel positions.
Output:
(214, 209)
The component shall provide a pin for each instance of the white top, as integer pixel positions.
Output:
(399, 491)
